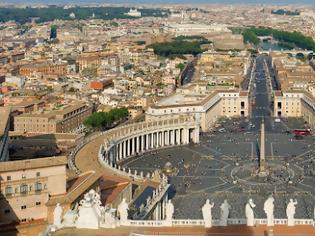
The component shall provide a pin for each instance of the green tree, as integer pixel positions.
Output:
(180, 66)
(114, 23)
(250, 37)
(99, 120)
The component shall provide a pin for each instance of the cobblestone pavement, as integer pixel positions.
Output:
(203, 171)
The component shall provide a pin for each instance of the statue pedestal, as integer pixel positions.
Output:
(88, 218)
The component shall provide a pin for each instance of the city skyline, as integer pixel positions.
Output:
(168, 119)
(233, 2)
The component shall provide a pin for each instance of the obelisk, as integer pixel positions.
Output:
(262, 160)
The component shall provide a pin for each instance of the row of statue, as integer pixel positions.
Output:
(249, 212)
(91, 214)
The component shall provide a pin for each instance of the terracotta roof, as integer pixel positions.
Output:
(109, 195)
(32, 163)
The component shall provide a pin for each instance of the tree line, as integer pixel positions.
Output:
(288, 39)
(99, 120)
(24, 15)
(285, 12)
(179, 46)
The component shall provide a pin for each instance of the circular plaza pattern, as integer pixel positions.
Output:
(246, 173)
(221, 167)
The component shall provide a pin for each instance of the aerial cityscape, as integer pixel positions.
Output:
(144, 118)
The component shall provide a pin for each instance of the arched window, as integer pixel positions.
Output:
(8, 190)
(38, 186)
(23, 188)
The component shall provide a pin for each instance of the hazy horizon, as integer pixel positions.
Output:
(263, 2)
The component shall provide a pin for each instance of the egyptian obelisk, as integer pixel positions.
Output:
(262, 160)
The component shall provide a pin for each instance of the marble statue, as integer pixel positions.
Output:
(70, 217)
(90, 211)
(169, 212)
(109, 220)
(291, 212)
(249, 212)
(269, 210)
(207, 213)
(58, 215)
(225, 211)
(123, 211)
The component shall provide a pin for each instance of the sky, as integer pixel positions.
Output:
(274, 2)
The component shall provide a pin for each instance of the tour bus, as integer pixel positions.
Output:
(302, 132)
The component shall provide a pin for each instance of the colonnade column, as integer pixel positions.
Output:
(166, 138)
(124, 148)
(157, 139)
(172, 141)
(165, 199)
(196, 135)
(177, 136)
(185, 136)
(137, 144)
(163, 138)
(142, 143)
(128, 147)
(132, 146)
(121, 150)
(157, 211)
(152, 141)
(147, 142)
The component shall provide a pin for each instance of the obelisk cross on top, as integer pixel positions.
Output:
(262, 160)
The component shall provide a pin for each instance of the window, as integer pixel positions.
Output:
(23, 188)
(38, 186)
(23, 176)
(23, 220)
(8, 190)
(8, 178)
(37, 203)
(7, 211)
(37, 174)
(23, 207)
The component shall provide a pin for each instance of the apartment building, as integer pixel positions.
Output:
(4, 133)
(297, 103)
(223, 68)
(296, 98)
(207, 104)
(27, 185)
(67, 119)
(88, 60)
(58, 69)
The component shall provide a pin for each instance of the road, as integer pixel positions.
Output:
(261, 108)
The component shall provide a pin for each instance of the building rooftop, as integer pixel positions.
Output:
(4, 114)
(32, 163)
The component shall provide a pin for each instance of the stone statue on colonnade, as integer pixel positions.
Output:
(58, 215)
(269, 210)
(225, 211)
(207, 213)
(169, 212)
(123, 211)
(249, 212)
(291, 211)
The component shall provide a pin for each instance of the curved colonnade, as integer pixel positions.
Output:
(127, 141)
(131, 140)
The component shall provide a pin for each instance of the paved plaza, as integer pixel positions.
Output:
(204, 171)
(223, 164)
